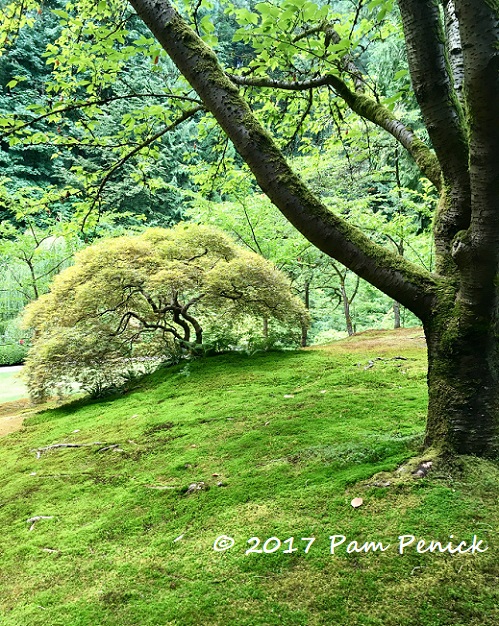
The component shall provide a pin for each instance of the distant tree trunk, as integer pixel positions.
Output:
(396, 314)
(34, 285)
(306, 300)
(265, 328)
(304, 336)
(346, 308)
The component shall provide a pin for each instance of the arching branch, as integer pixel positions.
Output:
(76, 106)
(397, 277)
(367, 108)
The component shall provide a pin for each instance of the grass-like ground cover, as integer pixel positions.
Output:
(11, 386)
(292, 438)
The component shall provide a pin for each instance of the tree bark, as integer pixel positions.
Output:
(346, 308)
(454, 48)
(444, 119)
(459, 304)
(306, 301)
(463, 384)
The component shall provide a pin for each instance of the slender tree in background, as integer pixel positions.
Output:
(458, 303)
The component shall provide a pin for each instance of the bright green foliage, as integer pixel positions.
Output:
(129, 299)
(29, 261)
(13, 16)
(12, 354)
(87, 125)
(292, 437)
(368, 194)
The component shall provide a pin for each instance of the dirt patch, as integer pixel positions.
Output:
(378, 340)
(11, 416)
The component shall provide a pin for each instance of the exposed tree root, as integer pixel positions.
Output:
(105, 447)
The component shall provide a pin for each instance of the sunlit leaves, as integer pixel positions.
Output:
(381, 7)
(14, 16)
(83, 114)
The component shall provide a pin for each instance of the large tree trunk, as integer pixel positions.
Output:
(463, 378)
(461, 331)
(457, 304)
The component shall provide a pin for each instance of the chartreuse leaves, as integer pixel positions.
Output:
(146, 297)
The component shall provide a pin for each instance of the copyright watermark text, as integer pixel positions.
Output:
(338, 544)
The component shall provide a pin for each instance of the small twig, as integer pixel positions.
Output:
(371, 362)
(37, 518)
(161, 487)
(114, 446)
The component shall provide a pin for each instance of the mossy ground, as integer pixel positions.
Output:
(292, 437)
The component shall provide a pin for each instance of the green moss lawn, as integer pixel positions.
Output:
(272, 445)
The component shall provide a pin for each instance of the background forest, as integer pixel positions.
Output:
(100, 136)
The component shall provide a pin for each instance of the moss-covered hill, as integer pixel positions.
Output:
(274, 446)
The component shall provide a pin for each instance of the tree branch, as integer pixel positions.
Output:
(252, 230)
(147, 325)
(104, 447)
(90, 103)
(186, 115)
(367, 108)
(55, 267)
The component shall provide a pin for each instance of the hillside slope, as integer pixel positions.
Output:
(120, 530)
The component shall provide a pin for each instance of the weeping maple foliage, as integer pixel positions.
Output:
(135, 300)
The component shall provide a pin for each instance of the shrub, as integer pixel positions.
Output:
(150, 298)
(12, 354)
